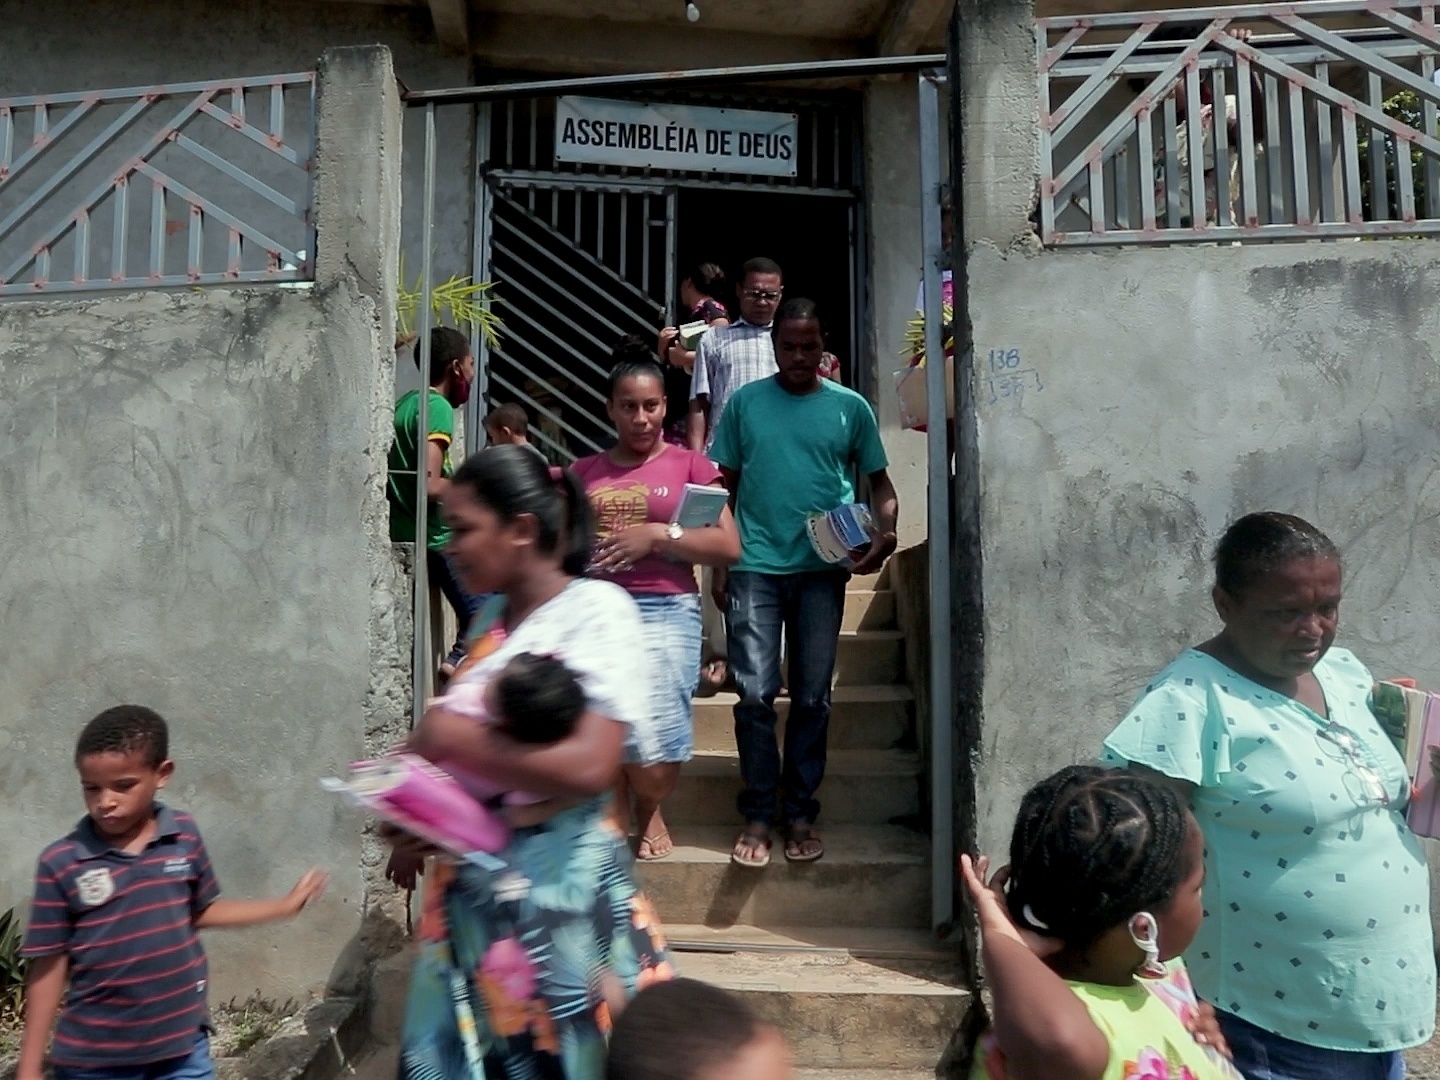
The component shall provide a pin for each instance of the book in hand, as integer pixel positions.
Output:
(421, 799)
(836, 534)
(700, 506)
(1411, 718)
(688, 335)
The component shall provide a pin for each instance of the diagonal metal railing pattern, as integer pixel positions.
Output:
(580, 268)
(224, 166)
(1259, 122)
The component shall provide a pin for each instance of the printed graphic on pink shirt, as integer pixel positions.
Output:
(625, 496)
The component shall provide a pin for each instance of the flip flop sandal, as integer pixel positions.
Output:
(795, 847)
(649, 842)
(753, 843)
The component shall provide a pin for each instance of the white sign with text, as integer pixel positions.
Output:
(683, 138)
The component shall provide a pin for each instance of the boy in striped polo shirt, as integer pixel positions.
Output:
(117, 906)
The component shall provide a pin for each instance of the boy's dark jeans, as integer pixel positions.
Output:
(807, 608)
(465, 606)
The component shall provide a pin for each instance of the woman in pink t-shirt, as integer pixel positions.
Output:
(635, 488)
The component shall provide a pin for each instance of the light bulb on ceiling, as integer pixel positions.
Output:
(692, 12)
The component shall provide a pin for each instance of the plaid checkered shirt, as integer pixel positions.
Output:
(727, 359)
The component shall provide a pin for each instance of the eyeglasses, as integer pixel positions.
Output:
(1362, 782)
(761, 294)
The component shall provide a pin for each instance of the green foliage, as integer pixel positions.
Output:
(242, 1025)
(1405, 107)
(12, 966)
(465, 304)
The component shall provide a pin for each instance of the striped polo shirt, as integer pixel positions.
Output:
(127, 924)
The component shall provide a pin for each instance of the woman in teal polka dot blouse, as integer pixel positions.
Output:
(1316, 947)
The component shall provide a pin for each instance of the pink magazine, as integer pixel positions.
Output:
(1424, 816)
(425, 801)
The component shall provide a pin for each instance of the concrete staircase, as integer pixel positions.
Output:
(837, 953)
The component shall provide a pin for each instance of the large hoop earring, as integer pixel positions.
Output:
(1145, 933)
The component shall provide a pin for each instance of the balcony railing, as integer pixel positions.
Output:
(189, 184)
(1263, 122)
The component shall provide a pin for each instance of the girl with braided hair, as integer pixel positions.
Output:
(1081, 936)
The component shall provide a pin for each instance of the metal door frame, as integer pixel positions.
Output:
(484, 178)
(941, 713)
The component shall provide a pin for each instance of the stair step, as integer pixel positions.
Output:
(861, 718)
(869, 609)
(861, 942)
(871, 787)
(382, 1062)
(837, 1010)
(874, 876)
(870, 658)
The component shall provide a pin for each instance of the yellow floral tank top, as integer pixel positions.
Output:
(1146, 1024)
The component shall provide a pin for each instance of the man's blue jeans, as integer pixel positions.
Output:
(807, 609)
(442, 575)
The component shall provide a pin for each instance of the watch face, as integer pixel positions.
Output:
(674, 532)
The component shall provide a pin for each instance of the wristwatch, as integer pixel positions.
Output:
(673, 532)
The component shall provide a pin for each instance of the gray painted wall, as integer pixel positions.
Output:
(1165, 393)
(892, 164)
(195, 513)
(1181, 389)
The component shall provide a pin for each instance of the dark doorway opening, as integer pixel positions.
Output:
(808, 235)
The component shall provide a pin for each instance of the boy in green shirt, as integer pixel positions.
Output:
(786, 446)
(452, 370)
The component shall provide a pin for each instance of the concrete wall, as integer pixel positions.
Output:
(194, 519)
(1182, 389)
(892, 211)
(1131, 403)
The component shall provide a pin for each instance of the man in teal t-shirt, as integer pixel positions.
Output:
(452, 369)
(787, 446)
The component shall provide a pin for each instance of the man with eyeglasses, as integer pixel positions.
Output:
(726, 359)
(732, 356)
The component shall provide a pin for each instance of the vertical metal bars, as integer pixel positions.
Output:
(1293, 130)
(211, 160)
(420, 659)
(941, 736)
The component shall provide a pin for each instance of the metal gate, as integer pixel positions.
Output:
(581, 260)
(579, 265)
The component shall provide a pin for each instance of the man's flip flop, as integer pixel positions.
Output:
(755, 843)
(795, 847)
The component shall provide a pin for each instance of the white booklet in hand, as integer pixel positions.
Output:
(836, 534)
(689, 334)
(700, 506)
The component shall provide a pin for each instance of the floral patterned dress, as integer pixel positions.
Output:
(523, 956)
(1147, 1026)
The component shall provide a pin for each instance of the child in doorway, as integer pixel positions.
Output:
(1081, 936)
(535, 700)
(689, 1030)
(112, 939)
(509, 425)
